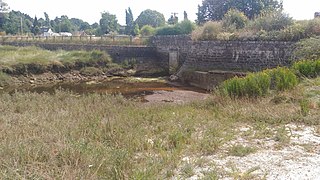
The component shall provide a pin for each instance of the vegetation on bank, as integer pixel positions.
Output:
(268, 26)
(34, 60)
(278, 79)
(70, 136)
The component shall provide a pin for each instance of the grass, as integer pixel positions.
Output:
(21, 60)
(241, 151)
(260, 83)
(67, 136)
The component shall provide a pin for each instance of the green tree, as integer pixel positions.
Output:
(35, 27)
(47, 19)
(216, 9)
(12, 23)
(147, 30)
(108, 23)
(185, 15)
(130, 24)
(150, 17)
(234, 19)
(3, 11)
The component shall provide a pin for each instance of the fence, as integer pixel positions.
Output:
(104, 40)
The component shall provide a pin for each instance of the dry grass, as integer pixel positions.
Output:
(67, 136)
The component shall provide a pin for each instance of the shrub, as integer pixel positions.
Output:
(282, 78)
(234, 19)
(294, 32)
(313, 27)
(260, 83)
(184, 27)
(307, 68)
(308, 49)
(168, 30)
(253, 85)
(209, 31)
(147, 30)
(271, 21)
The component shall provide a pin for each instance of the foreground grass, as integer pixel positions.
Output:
(67, 136)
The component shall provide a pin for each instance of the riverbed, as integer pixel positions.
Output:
(154, 90)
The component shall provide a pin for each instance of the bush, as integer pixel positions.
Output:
(260, 83)
(253, 85)
(313, 27)
(234, 19)
(184, 27)
(282, 78)
(168, 30)
(271, 21)
(209, 31)
(147, 30)
(307, 68)
(294, 32)
(308, 49)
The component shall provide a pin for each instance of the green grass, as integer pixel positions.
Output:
(67, 136)
(260, 83)
(21, 60)
(241, 151)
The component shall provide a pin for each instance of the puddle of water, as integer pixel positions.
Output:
(136, 90)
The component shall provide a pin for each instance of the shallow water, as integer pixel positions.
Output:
(123, 86)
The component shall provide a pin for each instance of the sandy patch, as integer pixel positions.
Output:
(176, 96)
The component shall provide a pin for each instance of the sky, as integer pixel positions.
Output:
(90, 11)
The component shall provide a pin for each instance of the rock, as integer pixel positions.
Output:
(31, 81)
(173, 78)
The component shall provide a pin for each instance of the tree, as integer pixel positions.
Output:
(147, 30)
(130, 24)
(35, 27)
(108, 23)
(150, 17)
(3, 10)
(216, 9)
(47, 19)
(185, 16)
(3, 7)
(12, 23)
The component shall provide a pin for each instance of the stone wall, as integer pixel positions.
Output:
(180, 53)
(226, 55)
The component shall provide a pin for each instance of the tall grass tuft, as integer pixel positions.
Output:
(307, 68)
(260, 83)
(253, 85)
(282, 78)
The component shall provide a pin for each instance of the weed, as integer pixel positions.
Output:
(241, 151)
(304, 107)
(211, 175)
(187, 171)
(247, 175)
(4, 79)
(282, 135)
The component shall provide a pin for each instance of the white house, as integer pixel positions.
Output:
(45, 31)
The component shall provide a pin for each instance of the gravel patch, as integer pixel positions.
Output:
(300, 159)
